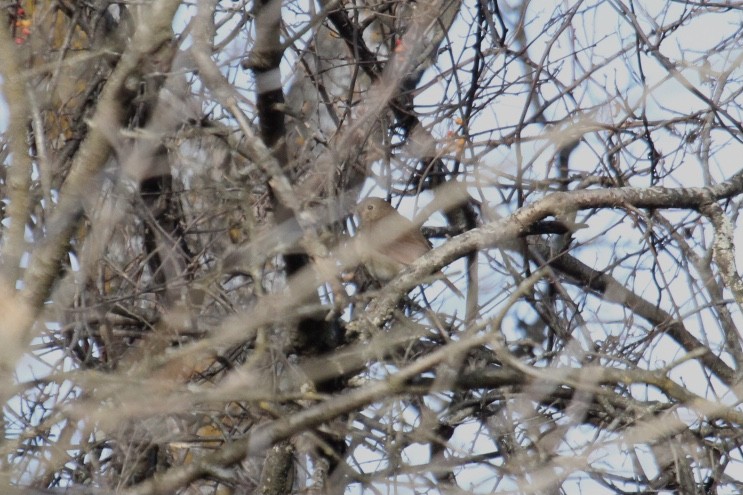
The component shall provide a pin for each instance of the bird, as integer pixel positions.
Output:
(403, 244)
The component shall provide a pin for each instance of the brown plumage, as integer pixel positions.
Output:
(403, 241)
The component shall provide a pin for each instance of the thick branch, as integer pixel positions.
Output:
(501, 232)
(19, 173)
(152, 32)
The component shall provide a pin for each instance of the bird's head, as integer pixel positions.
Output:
(371, 210)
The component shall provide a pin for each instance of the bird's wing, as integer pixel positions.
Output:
(408, 248)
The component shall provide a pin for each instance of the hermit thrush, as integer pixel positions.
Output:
(388, 242)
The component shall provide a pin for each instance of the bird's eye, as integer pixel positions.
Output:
(370, 207)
